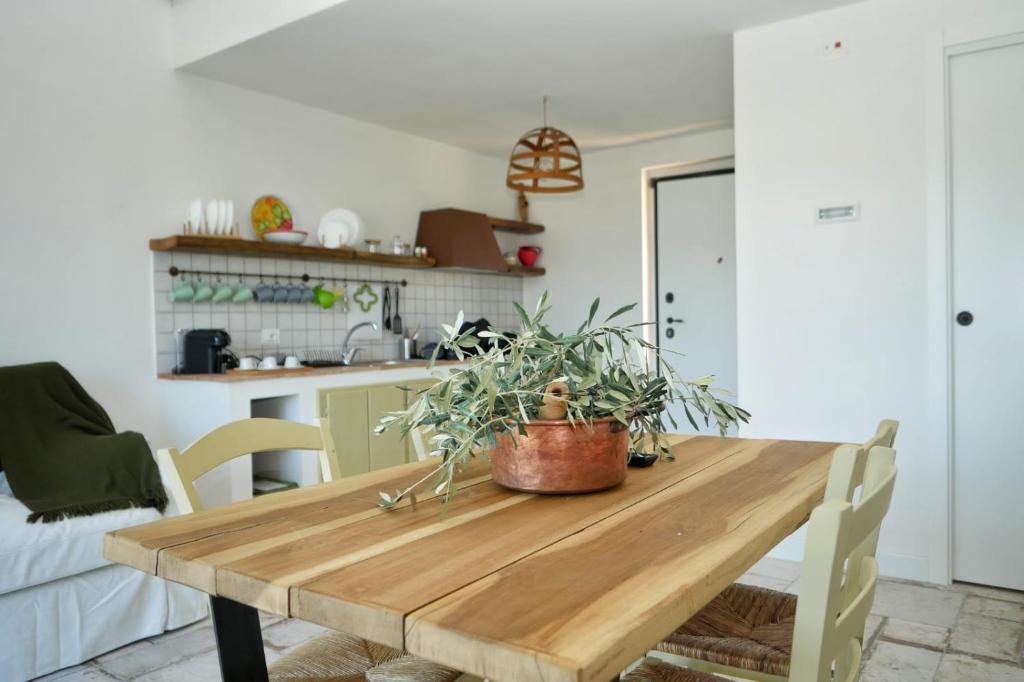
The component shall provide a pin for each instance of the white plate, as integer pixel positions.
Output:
(212, 217)
(195, 215)
(230, 221)
(339, 227)
(285, 237)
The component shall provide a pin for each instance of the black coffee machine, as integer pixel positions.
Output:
(205, 352)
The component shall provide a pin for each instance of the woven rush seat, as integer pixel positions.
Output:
(339, 657)
(743, 627)
(653, 670)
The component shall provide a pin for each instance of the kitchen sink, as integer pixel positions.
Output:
(383, 363)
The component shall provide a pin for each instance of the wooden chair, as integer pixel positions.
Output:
(818, 645)
(337, 656)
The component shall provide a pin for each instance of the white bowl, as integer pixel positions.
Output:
(285, 237)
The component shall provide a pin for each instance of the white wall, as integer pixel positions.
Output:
(592, 244)
(104, 145)
(842, 325)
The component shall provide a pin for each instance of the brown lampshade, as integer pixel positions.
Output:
(545, 160)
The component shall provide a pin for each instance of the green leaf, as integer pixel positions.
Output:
(593, 310)
(620, 311)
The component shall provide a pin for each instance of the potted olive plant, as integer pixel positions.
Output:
(555, 413)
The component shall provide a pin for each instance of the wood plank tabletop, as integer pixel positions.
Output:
(505, 585)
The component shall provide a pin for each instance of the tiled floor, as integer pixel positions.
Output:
(917, 633)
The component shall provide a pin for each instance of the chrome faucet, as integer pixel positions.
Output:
(347, 356)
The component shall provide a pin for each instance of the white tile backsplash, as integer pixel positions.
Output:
(431, 298)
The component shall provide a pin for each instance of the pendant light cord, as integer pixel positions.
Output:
(545, 111)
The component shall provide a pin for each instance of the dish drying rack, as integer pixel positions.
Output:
(321, 357)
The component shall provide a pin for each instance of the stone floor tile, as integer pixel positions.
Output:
(872, 626)
(960, 668)
(990, 592)
(288, 633)
(202, 668)
(79, 673)
(777, 568)
(897, 663)
(986, 636)
(764, 581)
(917, 603)
(917, 634)
(994, 608)
(159, 652)
(64, 673)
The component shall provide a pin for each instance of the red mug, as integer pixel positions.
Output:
(528, 255)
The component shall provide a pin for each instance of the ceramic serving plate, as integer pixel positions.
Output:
(270, 214)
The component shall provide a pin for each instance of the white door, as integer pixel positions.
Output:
(986, 120)
(696, 278)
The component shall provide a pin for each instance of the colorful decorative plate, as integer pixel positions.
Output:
(270, 214)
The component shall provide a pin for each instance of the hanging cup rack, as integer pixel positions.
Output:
(175, 271)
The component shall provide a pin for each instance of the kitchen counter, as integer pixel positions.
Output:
(194, 404)
(233, 376)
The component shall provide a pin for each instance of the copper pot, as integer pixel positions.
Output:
(557, 458)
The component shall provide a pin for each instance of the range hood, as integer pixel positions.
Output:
(457, 238)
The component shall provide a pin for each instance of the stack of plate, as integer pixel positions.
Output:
(339, 227)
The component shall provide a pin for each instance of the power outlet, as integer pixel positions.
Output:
(270, 337)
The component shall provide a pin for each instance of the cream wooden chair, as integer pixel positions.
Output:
(847, 472)
(337, 656)
(827, 635)
(182, 469)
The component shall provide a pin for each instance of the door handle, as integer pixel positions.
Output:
(676, 320)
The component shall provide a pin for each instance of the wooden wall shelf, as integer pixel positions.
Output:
(194, 244)
(505, 225)
(526, 272)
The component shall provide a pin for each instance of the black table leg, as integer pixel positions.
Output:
(239, 641)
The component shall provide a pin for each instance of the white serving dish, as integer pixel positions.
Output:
(285, 237)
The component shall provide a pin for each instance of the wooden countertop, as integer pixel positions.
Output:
(235, 375)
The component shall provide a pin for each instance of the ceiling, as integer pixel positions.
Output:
(472, 72)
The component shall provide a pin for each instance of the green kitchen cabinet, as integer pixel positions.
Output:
(387, 449)
(353, 412)
(348, 417)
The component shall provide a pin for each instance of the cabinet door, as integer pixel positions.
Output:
(348, 417)
(389, 448)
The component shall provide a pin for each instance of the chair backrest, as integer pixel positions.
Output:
(829, 626)
(847, 472)
(181, 469)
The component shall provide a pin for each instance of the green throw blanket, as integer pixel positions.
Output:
(60, 452)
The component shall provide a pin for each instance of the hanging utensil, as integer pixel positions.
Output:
(396, 323)
(386, 307)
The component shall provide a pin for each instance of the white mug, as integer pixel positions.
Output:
(292, 362)
(248, 362)
(269, 362)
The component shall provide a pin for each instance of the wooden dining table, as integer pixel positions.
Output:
(501, 584)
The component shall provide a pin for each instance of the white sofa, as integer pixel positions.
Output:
(62, 603)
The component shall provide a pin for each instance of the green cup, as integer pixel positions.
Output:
(221, 292)
(243, 294)
(204, 292)
(182, 292)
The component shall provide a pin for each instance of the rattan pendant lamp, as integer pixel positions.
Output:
(546, 161)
